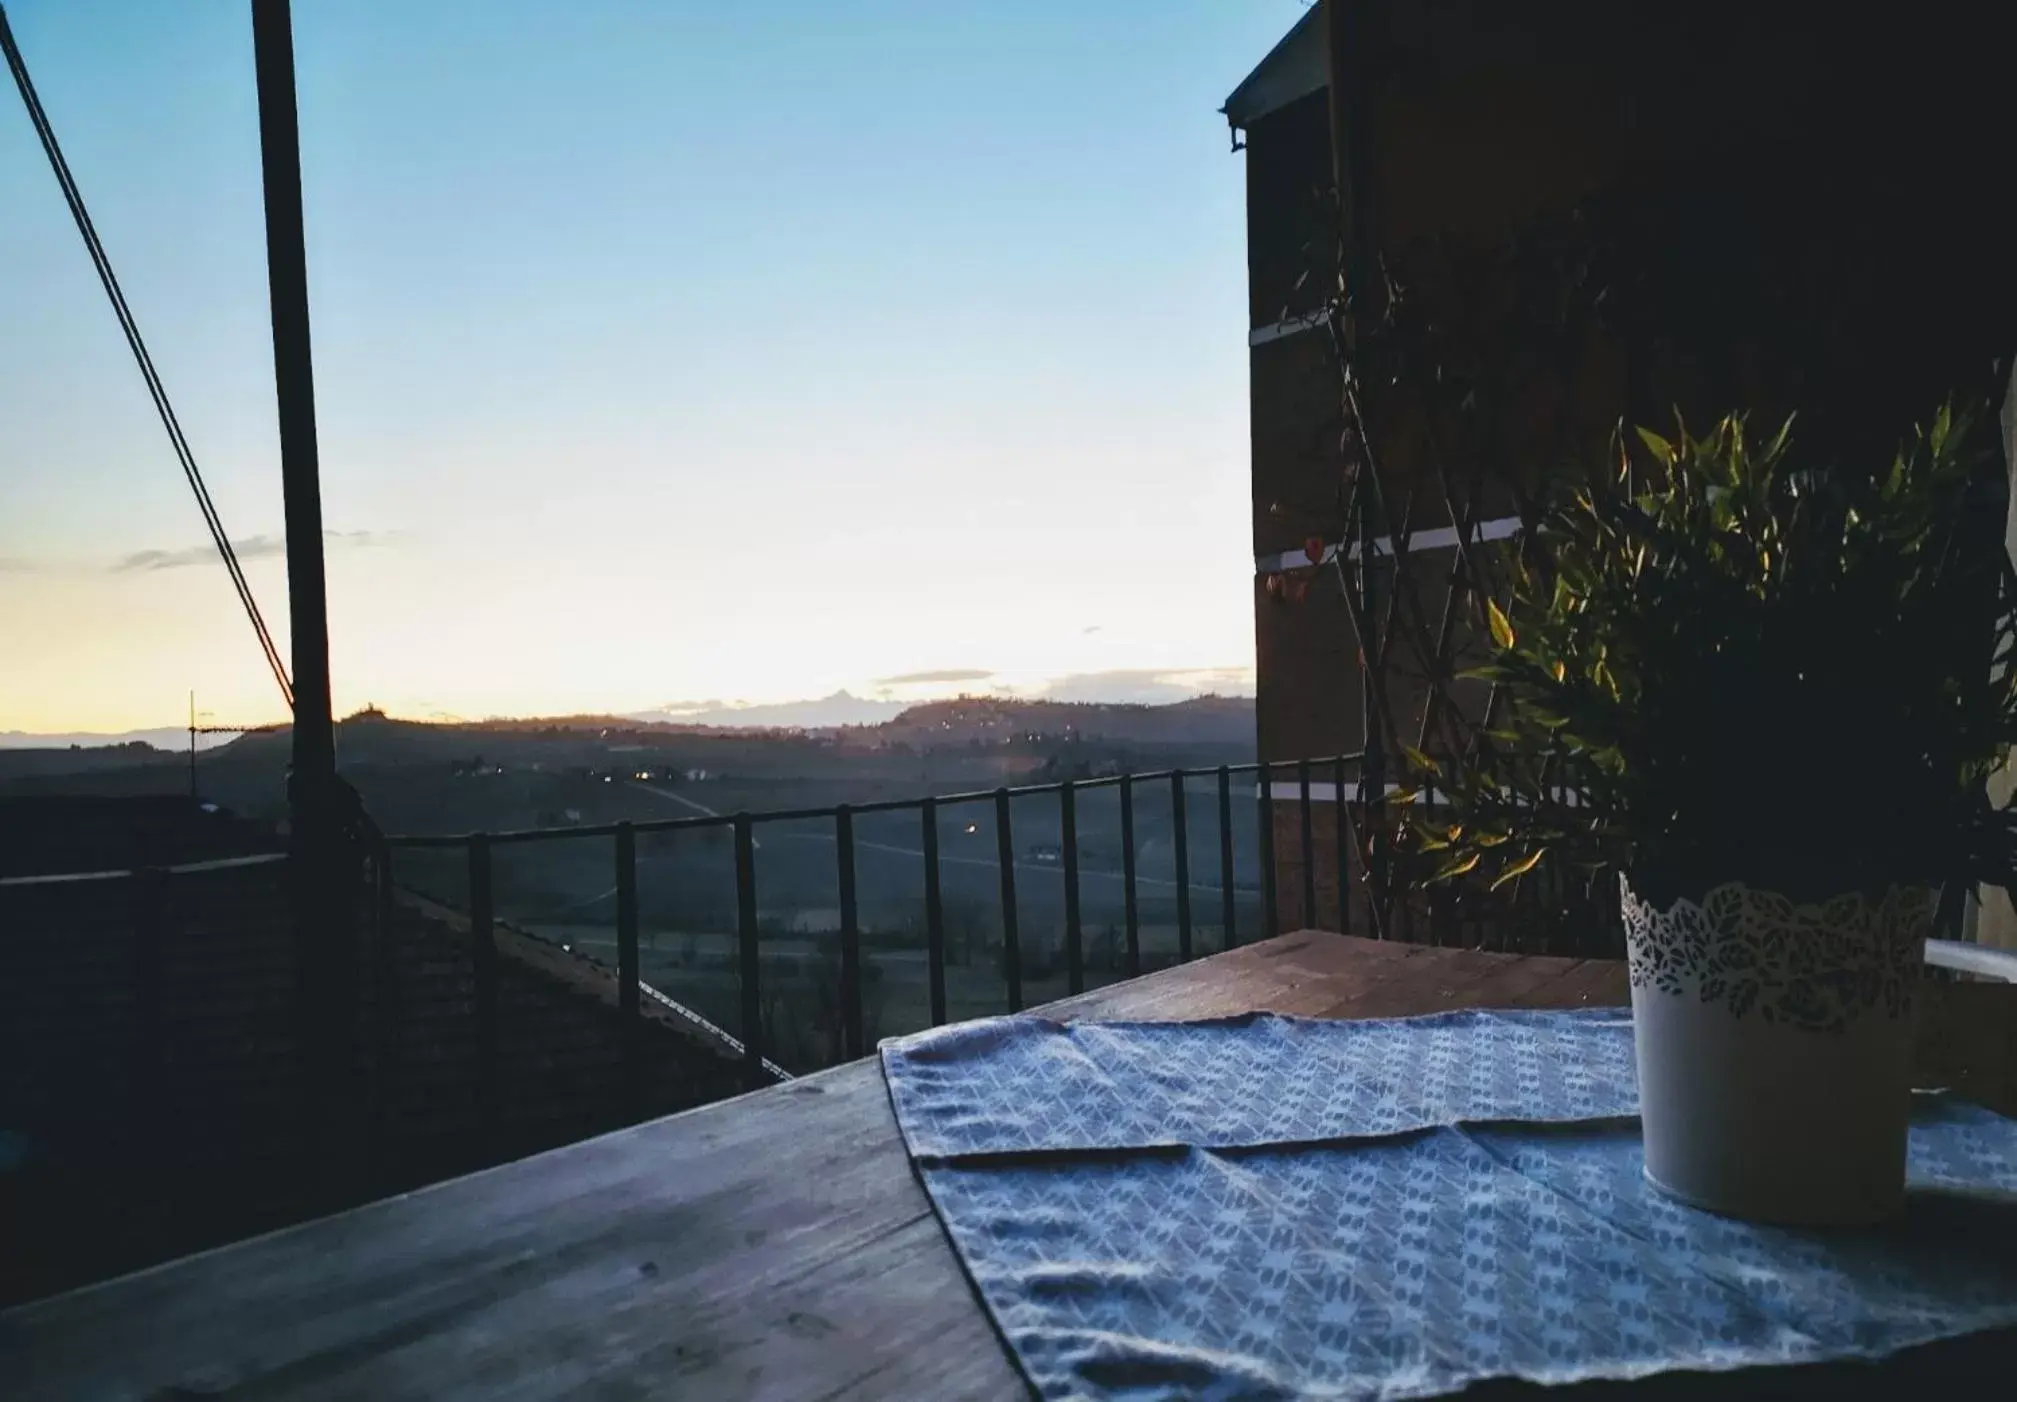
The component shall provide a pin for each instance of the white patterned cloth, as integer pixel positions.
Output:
(1274, 1208)
(1018, 1084)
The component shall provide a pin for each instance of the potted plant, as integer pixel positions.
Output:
(1767, 694)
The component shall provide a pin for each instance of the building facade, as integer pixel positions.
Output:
(1568, 215)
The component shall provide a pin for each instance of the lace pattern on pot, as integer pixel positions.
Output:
(1811, 966)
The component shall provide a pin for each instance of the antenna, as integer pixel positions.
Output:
(196, 729)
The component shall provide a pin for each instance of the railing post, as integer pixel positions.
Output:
(1344, 839)
(1130, 910)
(934, 912)
(1375, 923)
(1011, 942)
(1270, 920)
(148, 889)
(483, 963)
(1438, 910)
(1228, 907)
(746, 940)
(1309, 848)
(850, 935)
(386, 1062)
(1068, 841)
(1181, 842)
(627, 1000)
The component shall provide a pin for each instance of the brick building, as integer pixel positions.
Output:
(1782, 214)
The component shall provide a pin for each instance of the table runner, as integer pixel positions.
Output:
(1016, 1084)
(1272, 1207)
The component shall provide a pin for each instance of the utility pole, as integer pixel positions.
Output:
(325, 873)
(192, 746)
(294, 379)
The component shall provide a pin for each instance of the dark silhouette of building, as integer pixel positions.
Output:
(47, 834)
(157, 1087)
(1782, 210)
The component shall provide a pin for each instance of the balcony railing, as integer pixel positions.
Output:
(1337, 774)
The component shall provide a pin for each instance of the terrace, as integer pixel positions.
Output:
(773, 1245)
(507, 1201)
(456, 1030)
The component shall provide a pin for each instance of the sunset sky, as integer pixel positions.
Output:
(664, 352)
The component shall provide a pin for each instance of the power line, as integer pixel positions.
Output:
(103, 264)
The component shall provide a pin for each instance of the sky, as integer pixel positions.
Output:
(665, 351)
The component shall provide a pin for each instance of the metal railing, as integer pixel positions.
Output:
(1339, 772)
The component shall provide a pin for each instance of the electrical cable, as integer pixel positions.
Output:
(110, 281)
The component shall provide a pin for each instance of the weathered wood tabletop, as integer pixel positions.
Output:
(774, 1246)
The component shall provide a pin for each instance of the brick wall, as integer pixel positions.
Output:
(1484, 122)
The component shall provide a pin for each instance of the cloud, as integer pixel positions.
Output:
(1088, 632)
(1149, 685)
(944, 674)
(252, 547)
(673, 709)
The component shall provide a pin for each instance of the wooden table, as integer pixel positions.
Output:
(776, 1245)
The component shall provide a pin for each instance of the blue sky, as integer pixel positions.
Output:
(664, 351)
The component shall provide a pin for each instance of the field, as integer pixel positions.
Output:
(564, 888)
(450, 780)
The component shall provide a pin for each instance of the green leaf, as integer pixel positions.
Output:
(1520, 868)
(1658, 446)
(1419, 759)
(1502, 627)
(1456, 867)
(1778, 444)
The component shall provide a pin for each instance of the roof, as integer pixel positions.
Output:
(52, 834)
(1294, 68)
(562, 966)
(157, 1018)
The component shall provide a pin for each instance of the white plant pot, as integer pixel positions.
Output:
(1775, 1049)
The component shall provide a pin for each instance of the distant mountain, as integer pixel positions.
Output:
(1200, 720)
(828, 712)
(159, 739)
